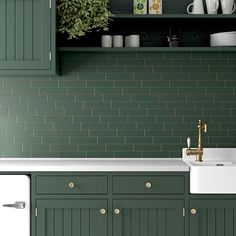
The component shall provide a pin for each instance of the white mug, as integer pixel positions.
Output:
(228, 6)
(134, 41)
(106, 41)
(212, 6)
(118, 41)
(197, 7)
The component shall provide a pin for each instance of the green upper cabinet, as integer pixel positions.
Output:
(71, 217)
(27, 39)
(216, 217)
(153, 217)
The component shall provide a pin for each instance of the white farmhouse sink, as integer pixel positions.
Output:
(212, 163)
(216, 174)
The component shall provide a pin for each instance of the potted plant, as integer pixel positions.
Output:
(79, 17)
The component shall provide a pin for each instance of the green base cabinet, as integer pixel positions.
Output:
(212, 217)
(107, 204)
(70, 217)
(127, 204)
(148, 217)
(27, 39)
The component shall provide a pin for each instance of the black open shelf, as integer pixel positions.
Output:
(148, 49)
(173, 16)
(193, 30)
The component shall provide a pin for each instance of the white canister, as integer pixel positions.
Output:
(118, 41)
(134, 41)
(127, 41)
(228, 6)
(140, 6)
(106, 41)
(155, 7)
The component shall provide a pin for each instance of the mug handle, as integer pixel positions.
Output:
(189, 12)
(234, 7)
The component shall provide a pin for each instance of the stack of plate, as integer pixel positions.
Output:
(223, 39)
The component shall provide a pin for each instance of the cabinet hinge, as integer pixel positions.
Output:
(36, 211)
(183, 212)
(50, 4)
(50, 56)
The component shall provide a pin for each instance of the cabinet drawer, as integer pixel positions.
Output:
(158, 184)
(71, 184)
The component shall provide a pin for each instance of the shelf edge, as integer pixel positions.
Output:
(148, 49)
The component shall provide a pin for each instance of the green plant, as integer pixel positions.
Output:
(78, 17)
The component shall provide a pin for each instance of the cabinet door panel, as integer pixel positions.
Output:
(25, 34)
(148, 218)
(213, 218)
(71, 218)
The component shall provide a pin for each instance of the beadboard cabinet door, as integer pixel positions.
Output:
(27, 39)
(212, 217)
(148, 217)
(71, 217)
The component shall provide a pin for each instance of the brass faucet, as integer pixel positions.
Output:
(199, 150)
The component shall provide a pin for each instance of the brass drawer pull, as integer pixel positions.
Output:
(103, 211)
(117, 211)
(193, 211)
(148, 185)
(71, 185)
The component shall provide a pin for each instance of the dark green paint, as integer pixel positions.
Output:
(60, 184)
(27, 37)
(141, 214)
(71, 218)
(148, 217)
(160, 184)
(77, 213)
(214, 217)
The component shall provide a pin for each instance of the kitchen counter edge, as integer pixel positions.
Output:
(93, 165)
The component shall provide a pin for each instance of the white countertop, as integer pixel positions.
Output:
(92, 164)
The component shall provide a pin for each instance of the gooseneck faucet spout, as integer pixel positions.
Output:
(198, 152)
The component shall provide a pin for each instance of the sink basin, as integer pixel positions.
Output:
(216, 174)
(212, 163)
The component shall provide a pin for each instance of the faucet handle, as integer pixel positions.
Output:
(205, 127)
(188, 142)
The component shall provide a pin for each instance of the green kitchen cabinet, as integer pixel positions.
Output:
(71, 217)
(27, 39)
(148, 217)
(108, 204)
(212, 217)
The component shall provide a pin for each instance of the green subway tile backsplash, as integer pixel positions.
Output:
(120, 104)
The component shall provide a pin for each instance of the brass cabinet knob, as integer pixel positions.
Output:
(71, 185)
(148, 185)
(193, 211)
(103, 211)
(117, 211)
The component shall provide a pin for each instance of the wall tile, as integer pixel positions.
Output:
(134, 104)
